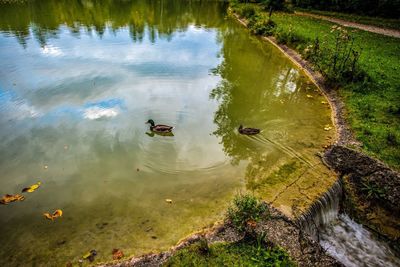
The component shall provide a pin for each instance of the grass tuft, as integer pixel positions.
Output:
(243, 253)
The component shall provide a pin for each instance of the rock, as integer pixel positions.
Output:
(363, 169)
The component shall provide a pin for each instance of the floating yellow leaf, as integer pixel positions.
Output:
(90, 255)
(327, 127)
(87, 255)
(309, 96)
(31, 188)
(11, 198)
(56, 214)
(48, 216)
(168, 201)
(324, 102)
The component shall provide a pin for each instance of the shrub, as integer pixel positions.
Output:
(262, 26)
(245, 211)
(247, 11)
(388, 8)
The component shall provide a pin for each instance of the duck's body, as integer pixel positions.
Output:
(248, 131)
(159, 128)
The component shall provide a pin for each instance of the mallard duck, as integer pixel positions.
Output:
(159, 128)
(248, 131)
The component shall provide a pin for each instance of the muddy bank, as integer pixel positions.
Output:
(280, 231)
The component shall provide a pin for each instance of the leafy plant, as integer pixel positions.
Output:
(340, 64)
(372, 191)
(203, 246)
(262, 26)
(247, 11)
(245, 211)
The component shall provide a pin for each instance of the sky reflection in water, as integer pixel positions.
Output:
(78, 85)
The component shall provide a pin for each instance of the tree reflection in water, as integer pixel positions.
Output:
(160, 18)
(262, 90)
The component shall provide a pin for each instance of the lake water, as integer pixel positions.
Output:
(78, 81)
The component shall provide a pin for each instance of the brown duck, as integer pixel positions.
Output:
(159, 128)
(248, 131)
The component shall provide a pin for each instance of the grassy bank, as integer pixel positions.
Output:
(373, 21)
(244, 253)
(372, 99)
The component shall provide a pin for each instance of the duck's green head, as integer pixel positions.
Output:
(151, 122)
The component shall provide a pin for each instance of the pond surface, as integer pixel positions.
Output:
(78, 81)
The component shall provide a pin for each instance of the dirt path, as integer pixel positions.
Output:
(364, 27)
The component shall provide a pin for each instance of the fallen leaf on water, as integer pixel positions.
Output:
(309, 96)
(56, 214)
(168, 201)
(86, 255)
(327, 127)
(31, 188)
(48, 216)
(11, 198)
(117, 254)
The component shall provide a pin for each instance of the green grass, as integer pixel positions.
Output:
(374, 21)
(373, 106)
(243, 253)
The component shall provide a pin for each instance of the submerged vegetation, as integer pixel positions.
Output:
(362, 66)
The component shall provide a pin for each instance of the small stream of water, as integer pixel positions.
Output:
(344, 239)
(354, 246)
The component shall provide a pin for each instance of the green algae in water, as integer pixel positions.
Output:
(78, 81)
